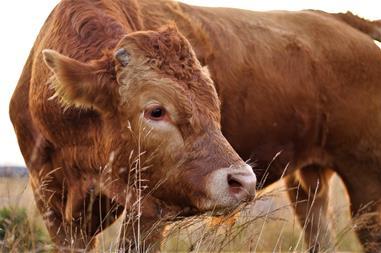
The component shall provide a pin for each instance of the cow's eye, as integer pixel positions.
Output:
(155, 113)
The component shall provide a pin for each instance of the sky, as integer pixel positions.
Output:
(21, 20)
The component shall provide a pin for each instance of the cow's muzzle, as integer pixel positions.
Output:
(230, 186)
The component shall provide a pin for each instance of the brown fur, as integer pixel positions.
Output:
(303, 85)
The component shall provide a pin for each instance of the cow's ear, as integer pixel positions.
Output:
(85, 85)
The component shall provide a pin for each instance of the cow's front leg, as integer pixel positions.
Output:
(72, 219)
(308, 190)
(49, 193)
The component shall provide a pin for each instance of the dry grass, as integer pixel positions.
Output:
(267, 226)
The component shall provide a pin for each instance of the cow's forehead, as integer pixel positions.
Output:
(140, 79)
(167, 51)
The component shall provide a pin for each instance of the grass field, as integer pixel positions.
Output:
(277, 231)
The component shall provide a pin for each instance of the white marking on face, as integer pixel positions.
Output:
(218, 188)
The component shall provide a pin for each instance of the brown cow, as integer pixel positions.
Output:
(298, 91)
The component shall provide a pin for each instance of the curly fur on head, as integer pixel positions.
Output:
(167, 51)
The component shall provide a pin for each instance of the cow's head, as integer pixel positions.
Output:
(161, 110)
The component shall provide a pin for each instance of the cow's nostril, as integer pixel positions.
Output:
(235, 185)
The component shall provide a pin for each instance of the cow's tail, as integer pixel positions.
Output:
(371, 28)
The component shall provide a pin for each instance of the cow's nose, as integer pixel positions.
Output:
(229, 186)
(242, 183)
